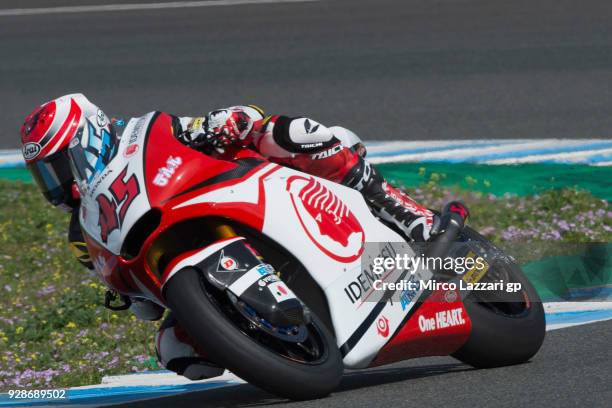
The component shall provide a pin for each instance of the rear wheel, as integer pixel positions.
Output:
(507, 328)
(305, 369)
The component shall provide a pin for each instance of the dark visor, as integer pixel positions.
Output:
(54, 178)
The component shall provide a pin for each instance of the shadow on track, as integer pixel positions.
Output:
(246, 395)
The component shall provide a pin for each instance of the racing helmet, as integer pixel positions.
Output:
(65, 140)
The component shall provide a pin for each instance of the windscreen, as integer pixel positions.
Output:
(92, 148)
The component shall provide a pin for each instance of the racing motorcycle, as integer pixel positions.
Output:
(270, 270)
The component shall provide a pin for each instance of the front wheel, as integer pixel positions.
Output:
(507, 329)
(308, 369)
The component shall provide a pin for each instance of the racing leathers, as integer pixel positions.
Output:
(333, 153)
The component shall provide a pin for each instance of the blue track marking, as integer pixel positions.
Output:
(600, 158)
(580, 317)
(533, 152)
(452, 146)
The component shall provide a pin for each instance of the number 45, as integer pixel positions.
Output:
(113, 210)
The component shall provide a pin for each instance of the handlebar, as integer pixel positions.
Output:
(452, 220)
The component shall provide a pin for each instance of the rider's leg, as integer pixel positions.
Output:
(337, 154)
(390, 203)
(177, 352)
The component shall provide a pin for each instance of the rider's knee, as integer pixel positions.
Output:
(349, 139)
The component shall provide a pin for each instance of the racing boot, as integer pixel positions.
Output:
(392, 205)
(177, 352)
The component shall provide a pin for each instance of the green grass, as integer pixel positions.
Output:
(54, 331)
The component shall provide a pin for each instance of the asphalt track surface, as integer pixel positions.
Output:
(572, 369)
(405, 69)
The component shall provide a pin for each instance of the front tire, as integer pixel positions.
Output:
(199, 313)
(507, 332)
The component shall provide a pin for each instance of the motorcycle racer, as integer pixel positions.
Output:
(51, 134)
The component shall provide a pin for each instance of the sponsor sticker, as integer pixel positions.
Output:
(450, 296)
(31, 150)
(228, 263)
(478, 270)
(326, 219)
(197, 124)
(410, 293)
(442, 320)
(280, 291)
(382, 326)
(264, 269)
(265, 281)
(130, 150)
(327, 153)
(101, 118)
(164, 174)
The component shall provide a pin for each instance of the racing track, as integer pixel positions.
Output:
(406, 69)
(390, 70)
(572, 369)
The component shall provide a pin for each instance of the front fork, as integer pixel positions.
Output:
(222, 230)
(232, 266)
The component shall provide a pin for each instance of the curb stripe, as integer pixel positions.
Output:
(546, 151)
(507, 151)
(432, 149)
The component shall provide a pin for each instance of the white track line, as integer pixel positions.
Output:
(563, 307)
(570, 157)
(474, 151)
(133, 6)
(558, 326)
(160, 378)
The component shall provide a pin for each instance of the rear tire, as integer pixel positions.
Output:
(498, 338)
(241, 354)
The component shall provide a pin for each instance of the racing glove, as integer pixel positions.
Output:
(219, 128)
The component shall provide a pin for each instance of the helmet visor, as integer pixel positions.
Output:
(54, 178)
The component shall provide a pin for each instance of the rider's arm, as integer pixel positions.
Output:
(285, 137)
(77, 242)
(219, 128)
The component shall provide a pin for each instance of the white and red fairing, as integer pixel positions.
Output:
(323, 224)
